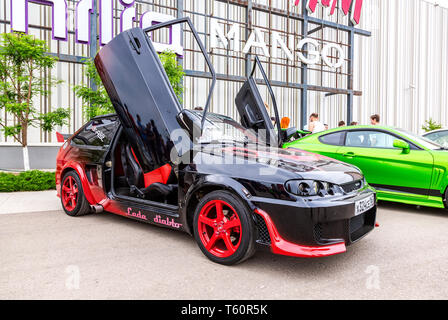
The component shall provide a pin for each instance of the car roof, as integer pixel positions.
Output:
(435, 131)
(358, 127)
(397, 131)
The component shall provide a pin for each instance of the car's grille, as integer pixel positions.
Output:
(352, 186)
(317, 232)
(356, 223)
(360, 225)
(263, 233)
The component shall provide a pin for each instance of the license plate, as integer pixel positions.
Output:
(364, 205)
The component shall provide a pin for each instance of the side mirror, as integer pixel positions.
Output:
(191, 123)
(400, 144)
(290, 133)
(251, 118)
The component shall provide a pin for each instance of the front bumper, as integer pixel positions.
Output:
(315, 229)
(286, 248)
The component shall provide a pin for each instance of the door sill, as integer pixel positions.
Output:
(163, 208)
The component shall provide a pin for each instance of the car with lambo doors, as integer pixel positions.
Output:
(400, 165)
(217, 179)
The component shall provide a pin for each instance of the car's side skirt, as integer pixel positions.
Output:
(145, 213)
(408, 190)
(409, 198)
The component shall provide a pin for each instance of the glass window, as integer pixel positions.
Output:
(219, 128)
(334, 139)
(425, 142)
(370, 139)
(440, 137)
(99, 132)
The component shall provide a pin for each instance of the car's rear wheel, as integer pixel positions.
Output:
(223, 228)
(72, 196)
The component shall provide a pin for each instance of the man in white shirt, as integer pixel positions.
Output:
(315, 126)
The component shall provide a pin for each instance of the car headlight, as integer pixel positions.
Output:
(309, 188)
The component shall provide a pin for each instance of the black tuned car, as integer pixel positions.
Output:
(227, 183)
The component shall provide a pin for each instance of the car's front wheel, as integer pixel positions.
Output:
(223, 228)
(445, 199)
(72, 196)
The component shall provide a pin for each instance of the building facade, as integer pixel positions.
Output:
(393, 63)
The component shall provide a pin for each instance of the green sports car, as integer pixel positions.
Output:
(403, 167)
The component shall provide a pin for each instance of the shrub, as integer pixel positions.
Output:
(33, 180)
(8, 182)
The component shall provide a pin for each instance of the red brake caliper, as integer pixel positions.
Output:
(219, 228)
(69, 193)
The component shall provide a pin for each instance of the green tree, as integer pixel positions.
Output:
(23, 60)
(174, 71)
(431, 125)
(97, 102)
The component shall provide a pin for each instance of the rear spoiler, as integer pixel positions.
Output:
(62, 137)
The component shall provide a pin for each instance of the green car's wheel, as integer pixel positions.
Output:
(445, 198)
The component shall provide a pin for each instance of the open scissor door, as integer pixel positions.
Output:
(141, 93)
(253, 110)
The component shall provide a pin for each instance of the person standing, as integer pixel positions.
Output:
(315, 126)
(341, 123)
(377, 140)
(375, 120)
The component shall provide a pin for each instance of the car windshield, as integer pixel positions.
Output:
(421, 140)
(440, 137)
(219, 128)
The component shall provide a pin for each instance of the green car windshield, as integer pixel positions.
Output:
(421, 140)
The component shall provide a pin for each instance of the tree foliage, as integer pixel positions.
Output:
(97, 102)
(174, 71)
(23, 61)
(431, 125)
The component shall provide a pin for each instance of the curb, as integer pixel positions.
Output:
(29, 202)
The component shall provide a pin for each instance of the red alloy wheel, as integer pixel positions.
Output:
(69, 193)
(219, 228)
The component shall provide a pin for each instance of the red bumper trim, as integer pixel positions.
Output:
(286, 248)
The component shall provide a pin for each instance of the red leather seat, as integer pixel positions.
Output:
(158, 185)
(159, 175)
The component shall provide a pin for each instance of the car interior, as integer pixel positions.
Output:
(131, 180)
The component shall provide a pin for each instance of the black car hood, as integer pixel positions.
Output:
(272, 164)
